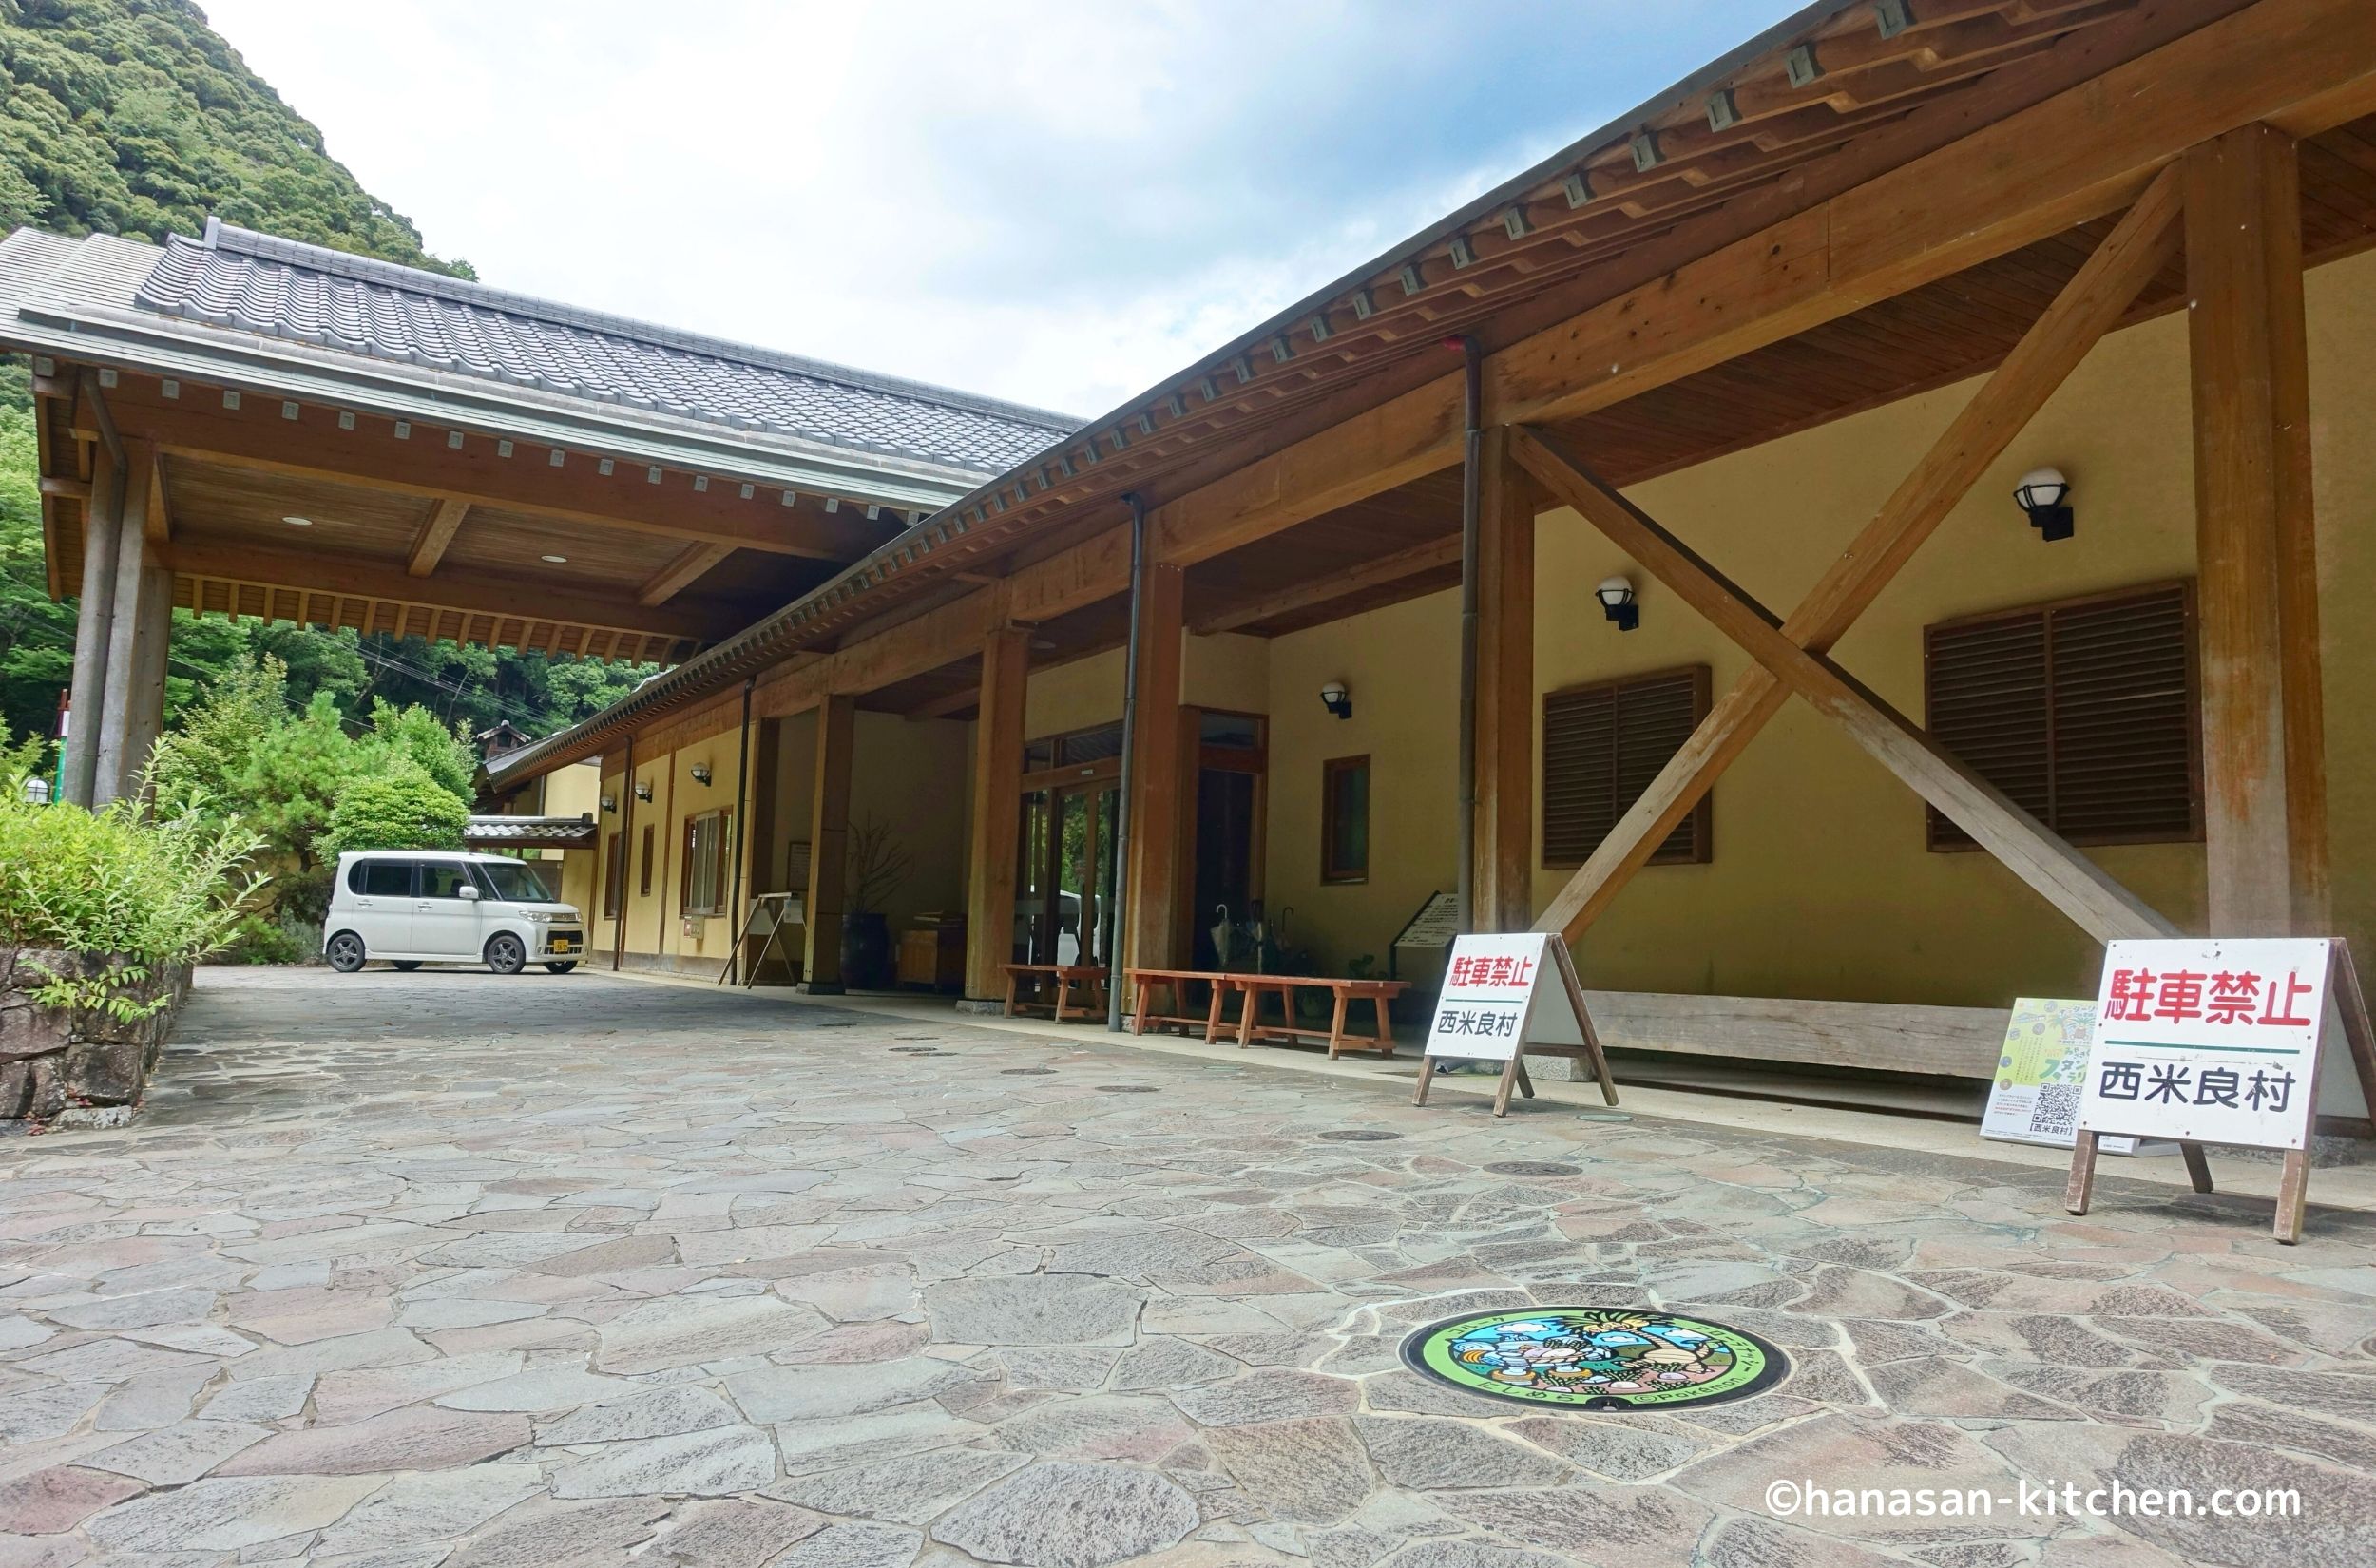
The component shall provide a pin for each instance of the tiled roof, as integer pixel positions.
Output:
(260, 283)
(565, 833)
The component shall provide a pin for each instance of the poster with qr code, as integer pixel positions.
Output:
(2034, 1095)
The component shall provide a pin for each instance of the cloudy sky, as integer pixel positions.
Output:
(1051, 201)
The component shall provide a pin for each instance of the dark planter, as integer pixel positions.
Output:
(865, 952)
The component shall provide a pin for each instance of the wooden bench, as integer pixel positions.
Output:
(1173, 983)
(1063, 978)
(1342, 992)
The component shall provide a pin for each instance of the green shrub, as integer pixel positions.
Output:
(165, 892)
(400, 807)
(262, 939)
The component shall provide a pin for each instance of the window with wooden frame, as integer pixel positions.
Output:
(614, 875)
(1602, 746)
(708, 845)
(1345, 819)
(643, 876)
(2083, 711)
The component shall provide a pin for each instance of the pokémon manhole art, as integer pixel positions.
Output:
(1595, 1358)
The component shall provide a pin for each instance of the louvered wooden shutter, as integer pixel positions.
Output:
(2082, 711)
(1602, 746)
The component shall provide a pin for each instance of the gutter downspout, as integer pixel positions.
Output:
(742, 784)
(1472, 482)
(626, 856)
(1120, 901)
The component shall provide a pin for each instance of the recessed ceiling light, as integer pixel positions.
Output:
(299, 522)
(558, 560)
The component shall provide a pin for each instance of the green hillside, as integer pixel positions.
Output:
(134, 117)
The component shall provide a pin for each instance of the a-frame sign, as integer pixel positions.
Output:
(1502, 997)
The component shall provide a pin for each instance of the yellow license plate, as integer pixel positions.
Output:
(563, 945)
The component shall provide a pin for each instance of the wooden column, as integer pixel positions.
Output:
(103, 526)
(829, 845)
(2264, 749)
(1504, 875)
(1153, 918)
(997, 811)
(133, 709)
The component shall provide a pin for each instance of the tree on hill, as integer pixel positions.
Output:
(134, 117)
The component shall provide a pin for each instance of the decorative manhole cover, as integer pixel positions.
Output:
(1532, 1168)
(1358, 1135)
(1595, 1358)
(1026, 1072)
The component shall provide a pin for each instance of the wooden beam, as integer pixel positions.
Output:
(311, 446)
(1156, 810)
(156, 523)
(1504, 875)
(435, 532)
(997, 810)
(829, 847)
(282, 568)
(691, 564)
(2074, 157)
(2096, 297)
(1298, 596)
(2264, 750)
(2065, 878)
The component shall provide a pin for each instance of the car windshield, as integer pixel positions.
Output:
(514, 882)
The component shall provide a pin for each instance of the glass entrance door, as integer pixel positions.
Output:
(1064, 874)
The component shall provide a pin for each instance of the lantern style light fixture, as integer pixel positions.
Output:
(2044, 496)
(610, 803)
(701, 774)
(1336, 700)
(36, 789)
(643, 790)
(1617, 602)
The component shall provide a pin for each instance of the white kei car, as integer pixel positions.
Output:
(412, 908)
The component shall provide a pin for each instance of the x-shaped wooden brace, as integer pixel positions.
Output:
(1789, 653)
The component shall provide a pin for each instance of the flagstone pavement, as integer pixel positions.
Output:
(403, 1270)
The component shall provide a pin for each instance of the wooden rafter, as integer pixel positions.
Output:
(436, 531)
(691, 564)
(2077, 885)
(2144, 239)
(1296, 597)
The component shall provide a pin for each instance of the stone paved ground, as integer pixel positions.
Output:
(420, 1269)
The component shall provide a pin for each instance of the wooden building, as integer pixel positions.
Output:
(1882, 751)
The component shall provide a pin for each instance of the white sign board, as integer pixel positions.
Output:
(2208, 1040)
(1437, 923)
(1500, 994)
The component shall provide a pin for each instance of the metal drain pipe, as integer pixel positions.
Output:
(1120, 900)
(1471, 503)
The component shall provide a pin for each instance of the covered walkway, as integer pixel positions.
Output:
(442, 1268)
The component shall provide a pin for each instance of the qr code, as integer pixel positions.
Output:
(2057, 1113)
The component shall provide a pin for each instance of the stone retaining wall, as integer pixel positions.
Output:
(77, 1068)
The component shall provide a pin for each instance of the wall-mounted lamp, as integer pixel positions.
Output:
(610, 803)
(643, 790)
(2045, 496)
(36, 789)
(701, 774)
(1336, 700)
(1617, 602)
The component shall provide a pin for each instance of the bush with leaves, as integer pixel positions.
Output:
(144, 891)
(396, 807)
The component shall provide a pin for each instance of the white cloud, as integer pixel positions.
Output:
(1052, 203)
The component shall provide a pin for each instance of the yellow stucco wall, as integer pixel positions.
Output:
(1820, 885)
(910, 774)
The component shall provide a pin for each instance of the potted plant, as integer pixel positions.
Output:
(879, 866)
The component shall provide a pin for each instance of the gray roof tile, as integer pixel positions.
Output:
(261, 283)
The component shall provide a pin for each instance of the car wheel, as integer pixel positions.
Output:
(405, 965)
(504, 955)
(346, 952)
(563, 967)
